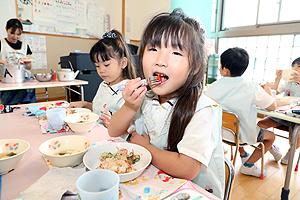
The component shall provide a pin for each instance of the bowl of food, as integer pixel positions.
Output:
(11, 153)
(127, 159)
(43, 77)
(77, 110)
(81, 122)
(284, 101)
(65, 151)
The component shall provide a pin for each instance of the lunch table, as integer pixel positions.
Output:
(33, 165)
(294, 134)
(32, 84)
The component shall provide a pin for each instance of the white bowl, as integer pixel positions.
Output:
(287, 74)
(61, 144)
(12, 145)
(92, 158)
(81, 122)
(284, 101)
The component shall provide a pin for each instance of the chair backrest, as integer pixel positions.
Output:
(229, 176)
(230, 121)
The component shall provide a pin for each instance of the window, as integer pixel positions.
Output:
(238, 13)
(267, 54)
(268, 29)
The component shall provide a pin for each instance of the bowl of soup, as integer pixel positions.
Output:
(65, 151)
(11, 153)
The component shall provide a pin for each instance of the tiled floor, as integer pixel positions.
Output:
(248, 187)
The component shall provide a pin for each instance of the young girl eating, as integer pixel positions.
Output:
(114, 64)
(175, 121)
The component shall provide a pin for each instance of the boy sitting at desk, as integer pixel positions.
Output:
(289, 88)
(241, 96)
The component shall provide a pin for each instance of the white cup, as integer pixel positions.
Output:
(98, 184)
(55, 117)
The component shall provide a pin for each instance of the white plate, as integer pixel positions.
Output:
(287, 74)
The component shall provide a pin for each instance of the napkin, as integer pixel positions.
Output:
(54, 184)
(39, 110)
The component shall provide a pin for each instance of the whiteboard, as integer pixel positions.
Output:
(7, 11)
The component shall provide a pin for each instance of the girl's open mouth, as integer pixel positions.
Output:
(164, 78)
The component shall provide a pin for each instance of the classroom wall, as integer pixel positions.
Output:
(139, 13)
(199, 8)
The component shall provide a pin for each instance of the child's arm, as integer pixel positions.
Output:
(133, 95)
(186, 167)
(277, 80)
(81, 104)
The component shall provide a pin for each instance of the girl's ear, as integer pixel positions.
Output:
(197, 69)
(123, 62)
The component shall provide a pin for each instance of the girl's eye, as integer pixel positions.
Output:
(106, 65)
(152, 49)
(177, 53)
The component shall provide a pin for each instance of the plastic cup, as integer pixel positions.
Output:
(98, 184)
(55, 118)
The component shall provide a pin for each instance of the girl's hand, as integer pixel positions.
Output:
(133, 94)
(106, 119)
(279, 74)
(142, 140)
(296, 78)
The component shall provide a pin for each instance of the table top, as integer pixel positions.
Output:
(36, 84)
(33, 166)
(279, 115)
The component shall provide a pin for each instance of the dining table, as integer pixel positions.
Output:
(287, 115)
(33, 168)
(32, 84)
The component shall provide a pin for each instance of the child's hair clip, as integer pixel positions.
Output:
(110, 34)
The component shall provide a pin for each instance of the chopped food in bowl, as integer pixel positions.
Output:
(81, 122)
(127, 159)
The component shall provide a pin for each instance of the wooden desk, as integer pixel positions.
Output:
(285, 190)
(36, 84)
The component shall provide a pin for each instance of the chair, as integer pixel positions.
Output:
(231, 135)
(229, 175)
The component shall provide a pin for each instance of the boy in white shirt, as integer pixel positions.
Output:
(241, 96)
(290, 88)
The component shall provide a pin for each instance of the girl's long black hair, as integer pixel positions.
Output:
(185, 33)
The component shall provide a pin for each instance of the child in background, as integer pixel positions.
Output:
(175, 121)
(241, 96)
(114, 64)
(290, 88)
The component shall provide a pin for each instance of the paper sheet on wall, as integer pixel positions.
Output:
(65, 16)
(80, 11)
(95, 22)
(39, 61)
(44, 12)
(36, 43)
